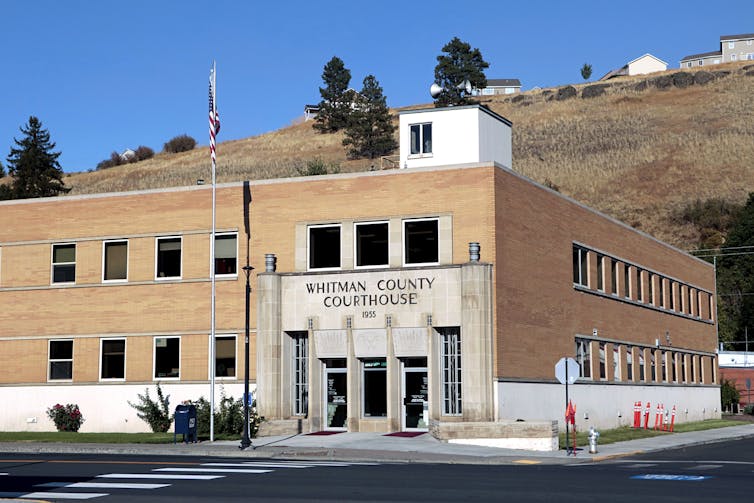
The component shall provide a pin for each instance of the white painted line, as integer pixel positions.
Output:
(176, 476)
(210, 470)
(704, 467)
(3, 474)
(641, 465)
(102, 485)
(264, 465)
(63, 496)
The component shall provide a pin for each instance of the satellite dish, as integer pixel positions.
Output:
(435, 89)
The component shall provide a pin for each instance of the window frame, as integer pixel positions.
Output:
(309, 247)
(580, 258)
(50, 361)
(364, 372)
(235, 355)
(229, 274)
(299, 342)
(154, 358)
(102, 342)
(404, 241)
(356, 226)
(53, 264)
(451, 365)
(104, 260)
(157, 276)
(421, 127)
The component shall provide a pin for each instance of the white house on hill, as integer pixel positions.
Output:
(640, 66)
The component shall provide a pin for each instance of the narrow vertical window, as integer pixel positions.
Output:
(600, 278)
(115, 261)
(652, 289)
(64, 263)
(616, 364)
(168, 258)
(450, 358)
(300, 370)
(640, 285)
(603, 370)
(627, 281)
(324, 247)
(583, 357)
(641, 364)
(629, 363)
(580, 266)
(661, 292)
(374, 380)
(225, 356)
(614, 276)
(61, 360)
(226, 254)
(113, 359)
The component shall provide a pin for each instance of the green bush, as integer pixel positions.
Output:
(728, 394)
(749, 409)
(155, 413)
(66, 417)
(181, 143)
(228, 417)
(317, 166)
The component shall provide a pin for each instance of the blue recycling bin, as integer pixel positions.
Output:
(185, 423)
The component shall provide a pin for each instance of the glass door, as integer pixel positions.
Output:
(415, 394)
(336, 395)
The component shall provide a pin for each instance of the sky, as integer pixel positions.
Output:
(103, 76)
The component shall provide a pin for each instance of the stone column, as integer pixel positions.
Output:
(269, 345)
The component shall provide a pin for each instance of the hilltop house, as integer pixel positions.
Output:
(499, 86)
(640, 66)
(732, 48)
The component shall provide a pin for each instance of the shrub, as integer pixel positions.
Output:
(317, 166)
(566, 92)
(749, 409)
(66, 417)
(728, 394)
(155, 414)
(142, 153)
(182, 143)
(228, 419)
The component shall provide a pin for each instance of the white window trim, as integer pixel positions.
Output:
(125, 360)
(211, 366)
(355, 245)
(156, 254)
(104, 264)
(50, 360)
(217, 235)
(308, 247)
(53, 264)
(421, 154)
(154, 357)
(403, 242)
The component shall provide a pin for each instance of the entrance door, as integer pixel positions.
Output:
(415, 394)
(336, 398)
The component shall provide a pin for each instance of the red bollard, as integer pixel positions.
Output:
(637, 414)
(646, 417)
(657, 417)
(672, 419)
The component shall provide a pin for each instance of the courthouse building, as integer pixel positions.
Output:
(436, 297)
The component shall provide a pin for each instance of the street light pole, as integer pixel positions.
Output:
(246, 440)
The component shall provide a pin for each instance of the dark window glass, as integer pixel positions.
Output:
(225, 254)
(61, 360)
(169, 258)
(113, 359)
(421, 242)
(225, 356)
(372, 244)
(375, 388)
(167, 357)
(64, 263)
(324, 247)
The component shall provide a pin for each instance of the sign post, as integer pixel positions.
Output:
(567, 370)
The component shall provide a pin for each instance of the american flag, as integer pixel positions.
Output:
(214, 117)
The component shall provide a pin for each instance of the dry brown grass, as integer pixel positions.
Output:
(635, 155)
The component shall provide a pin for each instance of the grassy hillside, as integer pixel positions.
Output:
(637, 149)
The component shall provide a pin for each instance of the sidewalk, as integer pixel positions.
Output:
(375, 447)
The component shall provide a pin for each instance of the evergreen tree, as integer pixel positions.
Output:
(2, 170)
(459, 63)
(335, 107)
(370, 131)
(586, 71)
(33, 164)
(4, 188)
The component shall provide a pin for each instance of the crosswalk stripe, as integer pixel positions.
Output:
(217, 470)
(57, 496)
(641, 465)
(704, 467)
(264, 465)
(3, 474)
(102, 485)
(176, 476)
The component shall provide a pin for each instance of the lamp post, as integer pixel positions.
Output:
(246, 440)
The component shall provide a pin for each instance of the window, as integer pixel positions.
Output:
(64, 263)
(115, 261)
(701, 62)
(600, 279)
(300, 355)
(226, 251)
(626, 281)
(113, 361)
(731, 45)
(584, 358)
(421, 242)
(168, 258)
(324, 247)
(673, 287)
(603, 369)
(732, 57)
(421, 139)
(450, 360)
(580, 268)
(640, 285)
(167, 357)
(641, 364)
(661, 284)
(61, 360)
(651, 288)
(225, 356)
(371, 244)
(375, 387)
(688, 65)
(616, 363)
(614, 276)
(629, 363)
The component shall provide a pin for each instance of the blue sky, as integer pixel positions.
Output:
(105, 76)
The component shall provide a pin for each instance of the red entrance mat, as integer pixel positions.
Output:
(324, 432)
(405, 434)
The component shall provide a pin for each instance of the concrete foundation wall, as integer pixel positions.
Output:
(604, 405)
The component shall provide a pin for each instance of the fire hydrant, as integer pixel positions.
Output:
(593, 436)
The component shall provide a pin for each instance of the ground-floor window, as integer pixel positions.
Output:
(167, 357)
(225, 356)
(336, 392)
(300, 371)
(61, 360)
(113, 359)
(450, 359)
(375, 387)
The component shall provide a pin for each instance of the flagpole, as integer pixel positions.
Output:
(213, 132)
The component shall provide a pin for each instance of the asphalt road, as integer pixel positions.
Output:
(705, 473)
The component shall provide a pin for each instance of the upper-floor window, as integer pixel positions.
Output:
(324, 246)
(167, 357)
(600, 279)
(372, 244)
(168, 258)
(580, 267)
(226, 253)
(421, 241)
(115, 261)
(61, 360)
(64, 263)
(731, 45)
(421, 138)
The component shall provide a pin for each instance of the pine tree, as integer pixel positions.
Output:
(370, 132)
(459, 63)
(335, 107)
(586, 71)
(33, 164)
